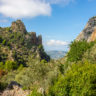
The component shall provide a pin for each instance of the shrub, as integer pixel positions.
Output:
(8, 29)
(2, 86)
(4, 42)
(80, 80)
(2, 73)
(10, 65)
(1, 39)
(77, 49)
(35, 93)
(1, 65)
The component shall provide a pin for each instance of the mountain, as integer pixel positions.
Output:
(89, 32)
(56, 54)
(78, 66)
(16, 44)
(27, 70)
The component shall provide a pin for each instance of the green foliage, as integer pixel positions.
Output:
(10, 65)
(2, 86)
(77, 50)
(4, 42)
(1, 39)
(80, 80)
(8, 29)
(43, 54)
(61, 68)
(15, 37)
(1, 65)
(36, 72)
(20, 67)
(35, 93)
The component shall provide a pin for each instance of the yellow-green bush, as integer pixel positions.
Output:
(35, 93)
(77, 50)
(80, 80)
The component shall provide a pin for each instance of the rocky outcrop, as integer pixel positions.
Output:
(89, 32)
(14, 89)
(34, 39)
(18, 26)
(19, 43)
(39, 40)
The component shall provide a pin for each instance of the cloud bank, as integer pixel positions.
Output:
(24, 8)
(3, 20)
(28, 8)
(56, 43)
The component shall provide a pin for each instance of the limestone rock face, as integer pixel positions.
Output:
(39, 40)
(14, 89)
(18, 26)
(33, 37)
(89, 32)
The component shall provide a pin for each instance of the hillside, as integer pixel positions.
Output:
(26, 69)
(89, 32)
(56, 54)
(16, 43)
(78, 71)
(19, 51)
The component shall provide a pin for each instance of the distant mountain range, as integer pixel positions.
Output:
(56, 54)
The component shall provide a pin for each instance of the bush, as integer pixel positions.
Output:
(10, 65)
(1, 65)
(2, 73)
(2, 86)
(35, 93)
(77, 50)
(1, 39)
(4, 42)
(80, 80)
(8, 29)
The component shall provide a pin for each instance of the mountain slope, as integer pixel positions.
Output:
(56, 54)
(16, 43)
(89, 32)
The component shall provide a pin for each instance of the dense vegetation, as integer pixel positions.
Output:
(80, 80)
(77, 50)
(25, 62)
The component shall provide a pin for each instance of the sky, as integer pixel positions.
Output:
(58, 21)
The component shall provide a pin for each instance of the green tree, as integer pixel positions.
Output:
(10, 65)
(4, 42)
(80, 80)
(77, 49)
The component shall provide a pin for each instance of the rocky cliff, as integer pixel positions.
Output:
(89, 32)
(14, 89)
(18, 26)
(17, 43)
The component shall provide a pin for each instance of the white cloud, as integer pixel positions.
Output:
(28, 8)
(56, 43)
(3, 21)
(24, 8)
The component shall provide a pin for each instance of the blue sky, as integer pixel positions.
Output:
(58, 21)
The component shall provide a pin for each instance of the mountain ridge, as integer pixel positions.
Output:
(89, 32)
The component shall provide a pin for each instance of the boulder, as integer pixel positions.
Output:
(14, 89)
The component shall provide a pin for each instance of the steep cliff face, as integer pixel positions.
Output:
(18, 26)
(21, 42)
(89, 32)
